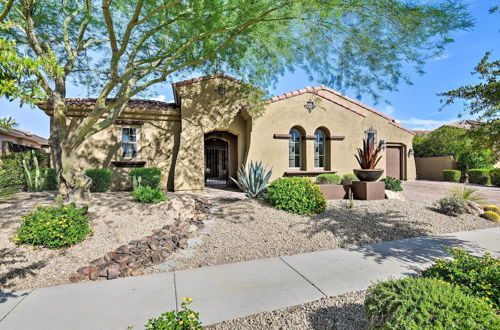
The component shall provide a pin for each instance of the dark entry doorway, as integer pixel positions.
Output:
(216, 162)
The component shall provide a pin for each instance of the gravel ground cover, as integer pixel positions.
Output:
(246, 229)
(340, 312)
(115, 219)
(432, 190)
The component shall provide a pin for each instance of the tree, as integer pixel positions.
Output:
(482, 100)
(121, 48)
(7, 123)
(443, 141)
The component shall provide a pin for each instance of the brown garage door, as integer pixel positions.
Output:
(393, 165)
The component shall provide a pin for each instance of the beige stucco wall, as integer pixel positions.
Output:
(279, 117)
(157, 142)
(431, 168)
(204, 110)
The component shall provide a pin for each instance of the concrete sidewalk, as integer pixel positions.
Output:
(234, 290)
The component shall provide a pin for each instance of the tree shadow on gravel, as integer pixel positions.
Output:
(362, 226)
(12, 257)
(349, 316)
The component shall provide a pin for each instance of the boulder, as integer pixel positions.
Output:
(474, 208)
(113, 272)
(389, 194)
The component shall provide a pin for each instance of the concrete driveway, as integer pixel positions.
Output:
(433, 190)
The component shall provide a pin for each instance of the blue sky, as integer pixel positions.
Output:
(417, 105)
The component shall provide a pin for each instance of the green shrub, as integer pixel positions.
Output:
(13, 174)
(451, 205)
(452, 175)
(145, 194)
(50, 179)
(420, 303)
(349, 178)
(465, 193)
(475, 159)
(392, 184)
(295, 195)
(491, 215)
(185, 319)
(495, 177)
(479, 175)
(150, 177)
(101, 179)
(328, 179)
(479, 277)
(53, 227)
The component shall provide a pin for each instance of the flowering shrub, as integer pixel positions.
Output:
(421, 303)
(173, 320)
(145, 194)
(54, 227)
(479, 277)
(295, 195)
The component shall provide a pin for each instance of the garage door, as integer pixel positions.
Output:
(393, 166)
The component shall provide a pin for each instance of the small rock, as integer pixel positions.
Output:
(208, 222)
(207, 231)
(192, 242)
(137, 272)
(113, 272)
(190, 229)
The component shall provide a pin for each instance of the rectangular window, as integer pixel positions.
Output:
(129, 142)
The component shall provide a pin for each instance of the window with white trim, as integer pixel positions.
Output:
(319, 149)
(129, 142)
(294, 148)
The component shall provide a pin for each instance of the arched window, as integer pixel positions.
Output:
(294, 148)
(319, 149)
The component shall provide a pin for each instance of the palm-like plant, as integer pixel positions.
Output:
(468, 194)
(368, 157)
(253, 182)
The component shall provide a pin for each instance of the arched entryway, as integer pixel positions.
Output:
(221, 158)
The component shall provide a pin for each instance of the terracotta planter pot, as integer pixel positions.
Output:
(334, 191)
(368, 175)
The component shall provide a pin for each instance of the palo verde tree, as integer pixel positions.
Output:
(122, 48)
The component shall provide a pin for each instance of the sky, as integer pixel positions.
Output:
(417, 106)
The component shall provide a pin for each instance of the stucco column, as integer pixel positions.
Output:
(309, 153)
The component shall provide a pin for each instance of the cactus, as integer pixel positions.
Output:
(253, 182)
(351, 205)
(492, 216)
(35, 180)
(493, 208)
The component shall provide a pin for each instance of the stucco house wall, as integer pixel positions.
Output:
(171, 136)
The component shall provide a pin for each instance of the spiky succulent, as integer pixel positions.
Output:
(368, 157)
(253, 182)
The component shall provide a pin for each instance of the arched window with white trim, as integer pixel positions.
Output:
(294, 148)
(319, 149)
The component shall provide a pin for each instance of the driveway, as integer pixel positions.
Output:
(433, 190)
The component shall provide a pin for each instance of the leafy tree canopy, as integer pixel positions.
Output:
(443, 141)
(119, 49)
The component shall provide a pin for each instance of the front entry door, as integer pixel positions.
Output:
(393, 164)
(216, 159)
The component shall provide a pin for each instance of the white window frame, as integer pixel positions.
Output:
(136, 143)
(316, 146)
(298, 148)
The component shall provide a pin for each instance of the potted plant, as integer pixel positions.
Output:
(368, 158)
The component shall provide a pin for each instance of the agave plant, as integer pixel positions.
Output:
(468, 194)
(368, 157)
(253, 182)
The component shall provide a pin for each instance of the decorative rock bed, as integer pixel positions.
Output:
(132, 258)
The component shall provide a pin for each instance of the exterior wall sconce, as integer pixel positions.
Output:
(221, 90)
(411, 152)
(310, 105)
(383, 145)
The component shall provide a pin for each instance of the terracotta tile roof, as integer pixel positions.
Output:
(466, 124)
(26, 134)
(87, 102)
(318, 90)
(198, 79)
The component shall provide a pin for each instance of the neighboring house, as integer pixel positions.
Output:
(18, 140)
(208, 132)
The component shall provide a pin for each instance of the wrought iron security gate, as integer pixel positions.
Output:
(216, 170)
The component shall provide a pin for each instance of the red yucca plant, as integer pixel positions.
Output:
(368, 157)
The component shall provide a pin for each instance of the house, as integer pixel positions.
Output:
(209, 131)
(18, 140)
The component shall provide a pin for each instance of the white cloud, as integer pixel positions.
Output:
(160, 98)
(425, 124)
(442, 57)
(388, 110)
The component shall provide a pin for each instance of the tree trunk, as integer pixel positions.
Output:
(73, 186)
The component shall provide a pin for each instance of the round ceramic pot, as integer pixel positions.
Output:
(368, 175)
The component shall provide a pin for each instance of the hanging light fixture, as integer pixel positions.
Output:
(310, 105)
